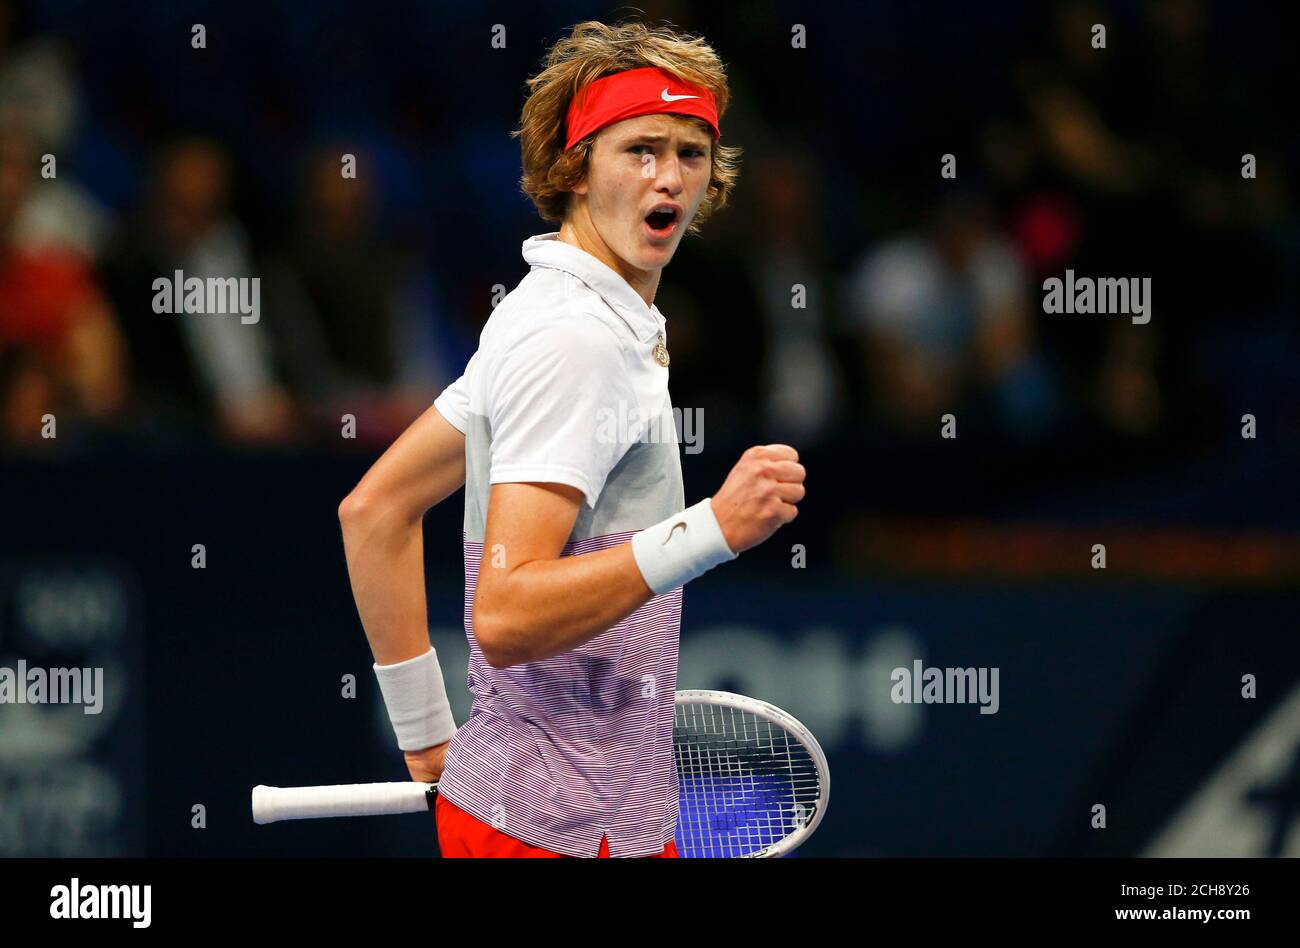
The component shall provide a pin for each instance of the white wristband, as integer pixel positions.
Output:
(416, 699)
(684, 546)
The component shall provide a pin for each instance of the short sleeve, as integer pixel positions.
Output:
(553, 402)
(453, 403)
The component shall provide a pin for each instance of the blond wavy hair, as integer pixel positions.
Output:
(594, 50)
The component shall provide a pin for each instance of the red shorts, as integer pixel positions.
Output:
(461, 836)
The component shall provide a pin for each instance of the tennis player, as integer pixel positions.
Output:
(577, 538)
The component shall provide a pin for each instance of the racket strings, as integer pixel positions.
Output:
(744, 782)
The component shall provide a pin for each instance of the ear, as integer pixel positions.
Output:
(583, 186)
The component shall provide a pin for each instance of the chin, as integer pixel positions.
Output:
(655, 261)
(654, 257)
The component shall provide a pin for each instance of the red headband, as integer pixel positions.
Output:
(626, 95)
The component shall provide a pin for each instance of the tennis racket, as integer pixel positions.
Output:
(752, 780)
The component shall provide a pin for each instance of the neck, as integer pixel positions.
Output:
(578, 230)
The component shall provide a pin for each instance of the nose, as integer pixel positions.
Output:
(668, 175)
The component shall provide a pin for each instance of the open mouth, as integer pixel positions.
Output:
(662, 221)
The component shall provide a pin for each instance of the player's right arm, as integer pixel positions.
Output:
(382, 520)
(531, 604)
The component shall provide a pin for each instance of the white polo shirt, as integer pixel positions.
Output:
(565, 388)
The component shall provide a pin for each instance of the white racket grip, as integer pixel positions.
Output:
(272, 804)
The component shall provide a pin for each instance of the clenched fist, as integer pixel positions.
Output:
(759, 495)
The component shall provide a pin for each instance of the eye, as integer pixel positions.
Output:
(634, 150)
(692, 152)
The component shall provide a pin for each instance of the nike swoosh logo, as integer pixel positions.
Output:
(680, 523)
(673, 98)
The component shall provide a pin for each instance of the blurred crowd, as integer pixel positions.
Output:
(851, 288)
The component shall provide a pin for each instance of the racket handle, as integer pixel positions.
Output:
(272, 804)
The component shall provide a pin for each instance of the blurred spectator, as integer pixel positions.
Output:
(802, 391)
(189, 368)
(944, 315)
(38, 81)
(338, 296)
(1126, 162)
(60, 351)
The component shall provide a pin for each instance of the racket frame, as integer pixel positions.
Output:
(795, 728)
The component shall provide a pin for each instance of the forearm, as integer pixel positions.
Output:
(385, 556)
(548, 607)
(386, 566)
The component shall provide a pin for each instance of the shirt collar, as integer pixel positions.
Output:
(547, 250)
